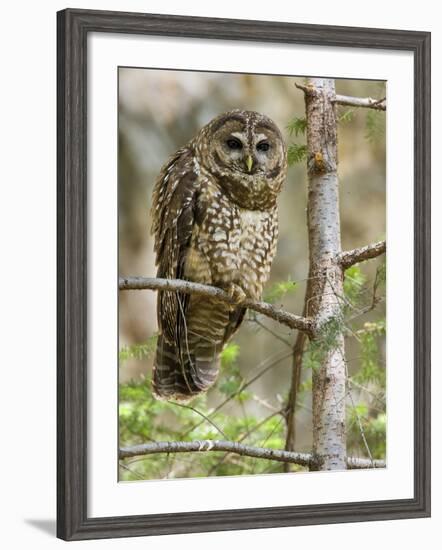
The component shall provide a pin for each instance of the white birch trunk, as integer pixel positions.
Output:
(325, 305)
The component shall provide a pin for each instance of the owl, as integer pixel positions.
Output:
(214, 221)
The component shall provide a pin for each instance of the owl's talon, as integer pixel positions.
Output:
(236, 294)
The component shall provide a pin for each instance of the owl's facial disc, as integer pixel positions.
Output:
(237, 151)
(247, 156)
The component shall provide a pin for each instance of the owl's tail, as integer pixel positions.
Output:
(190, 365)
(182, 378)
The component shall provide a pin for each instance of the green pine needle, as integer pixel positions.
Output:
(296, 153)
(278, 290)
(347, 116)
(138, 351)
(297, 126)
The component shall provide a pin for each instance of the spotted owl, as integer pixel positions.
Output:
(215, 221)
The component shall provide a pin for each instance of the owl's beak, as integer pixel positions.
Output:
(249, 163)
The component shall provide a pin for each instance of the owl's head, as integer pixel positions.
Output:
(246, 153)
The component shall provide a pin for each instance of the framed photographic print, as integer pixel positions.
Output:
(243, 274)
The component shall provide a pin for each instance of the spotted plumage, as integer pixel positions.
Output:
(215, 222)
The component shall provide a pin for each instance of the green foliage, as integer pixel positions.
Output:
(297, 126)
(229, 355)
(374, 125)
(138, 351)
(296, 153)
(366, 417)
(371, 370)
(143, 418)
(354, 282)
(318, 348)
(305, 386)
(231, 377)
(374, 429)
(278, 290)
(381, 274)
(347, 116)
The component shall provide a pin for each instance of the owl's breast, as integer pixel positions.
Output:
(259, 233)
(236, 245)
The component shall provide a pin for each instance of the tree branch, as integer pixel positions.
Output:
(307, 89)
(298, 353)
(366, 102)
(303, 459)
(351, 257)
(188, 287)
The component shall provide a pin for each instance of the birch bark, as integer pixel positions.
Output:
(326, 282)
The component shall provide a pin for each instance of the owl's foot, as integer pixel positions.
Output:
(236, 293)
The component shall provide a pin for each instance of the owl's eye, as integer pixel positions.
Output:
(234, 143)
(263, 146)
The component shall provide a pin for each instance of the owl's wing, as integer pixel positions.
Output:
(173, 214)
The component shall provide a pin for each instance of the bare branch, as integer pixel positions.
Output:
(303, 459)
(366, 102)
(188, 287)
(306, 88)
(351, 257)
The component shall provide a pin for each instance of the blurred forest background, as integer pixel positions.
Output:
(161, 110)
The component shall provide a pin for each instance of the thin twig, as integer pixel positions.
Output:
(135, 474)
(375, 396)
(361, 428)
(265, 403)
(217, 428)
(375, 300)
(358, 418)
(245, 436)
(270, 331)
(268, 436)
(244, 385)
